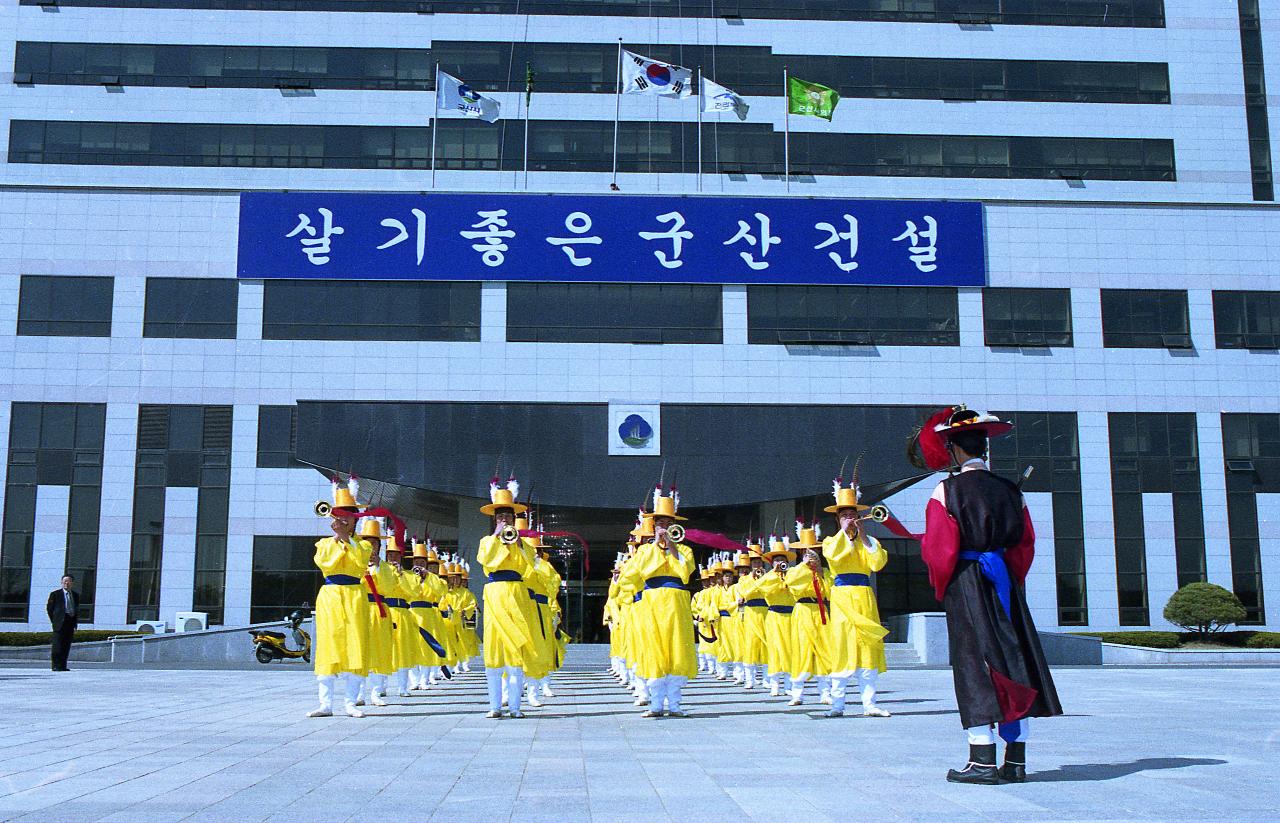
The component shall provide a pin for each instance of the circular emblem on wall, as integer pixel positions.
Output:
(635, 431)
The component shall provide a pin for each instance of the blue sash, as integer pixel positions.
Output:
(992, 565)
(341, 580)
(757, 601)
(853, 579)
(505, 576)
(781, 609)
(663, 582)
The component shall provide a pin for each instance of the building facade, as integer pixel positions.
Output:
(155, 408)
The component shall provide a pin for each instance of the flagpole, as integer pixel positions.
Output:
(528, 98)
(786, 126)
(617, 114)
(700, 99)
(435, 126)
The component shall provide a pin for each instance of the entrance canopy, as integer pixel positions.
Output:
(718, 454)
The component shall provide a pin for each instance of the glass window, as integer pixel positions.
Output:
(1246, 319)
(370, 310)
(65, 306)
(613, 313)
(1026, 317)
(1145, 318)
(284, 577)
(857, 315)
(190, 307)
(277, 436)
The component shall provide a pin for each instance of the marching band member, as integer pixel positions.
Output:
(381, 665)
(726, 604)
(431, 652)
(554, 582)
(538, 579)
(510, 622)
(399, 586)
(779, 601)
(612, 621)
(662, 569)
(810, 584)
(631, 588)
(857, 636)
(450, 610)
(754, 609)
(467, 608)
(978, 546)
(741, 571)
(705, 623)
(341, 622)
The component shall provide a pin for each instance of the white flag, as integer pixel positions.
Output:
(640, 75)
(454, 95)
(716, 98)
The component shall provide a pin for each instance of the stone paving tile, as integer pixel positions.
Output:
(156, 745)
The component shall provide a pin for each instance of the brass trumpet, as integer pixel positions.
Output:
(675, 533)
(322, 508)
(509, 534)
(878, 514)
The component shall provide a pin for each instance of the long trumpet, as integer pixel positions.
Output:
(322, 508)
(675, 533)
(878, 514)
(509, 534)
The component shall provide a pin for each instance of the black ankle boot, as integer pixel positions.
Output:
(981, 768)
(1014, 769)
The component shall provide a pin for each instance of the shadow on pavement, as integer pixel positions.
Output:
(1111, 771)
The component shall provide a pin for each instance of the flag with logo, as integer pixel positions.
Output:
(811, 99)
(717, 98)
(454, 95)
(640, 75)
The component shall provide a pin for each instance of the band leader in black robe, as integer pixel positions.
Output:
(979, 543)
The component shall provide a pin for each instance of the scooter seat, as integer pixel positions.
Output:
(276, 635)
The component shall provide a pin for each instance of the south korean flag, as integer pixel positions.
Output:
(640, 75)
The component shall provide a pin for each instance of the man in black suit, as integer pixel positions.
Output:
(63, 607)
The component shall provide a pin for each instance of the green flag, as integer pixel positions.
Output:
(528, 85)
(812, 99)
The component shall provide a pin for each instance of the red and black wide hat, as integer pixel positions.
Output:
(950, 421)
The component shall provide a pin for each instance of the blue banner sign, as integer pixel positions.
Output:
(610, 238)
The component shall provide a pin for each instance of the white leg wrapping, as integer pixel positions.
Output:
(515, 676)
(493, 680)
(981, 736)
(657, 687)
(325, 686)
(675, 689)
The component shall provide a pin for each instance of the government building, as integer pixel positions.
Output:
(241, 251)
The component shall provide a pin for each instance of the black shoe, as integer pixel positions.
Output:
(1014, 769)
(980, 770)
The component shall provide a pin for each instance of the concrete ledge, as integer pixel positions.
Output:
(1116, 654)
(926, 632)
(228, 645)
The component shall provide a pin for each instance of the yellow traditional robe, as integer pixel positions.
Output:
(777, 622)
(810, 636)
(509, 619)
(709, 619)
(612, 620)
(631, 609)
(753, 649)
(727, 608)
(402, 588)
(381, 633)
(342, 624)
(857, 638)
(433, 590)
(467, 611)
(541, 579)
(451, 616)
(667, 616)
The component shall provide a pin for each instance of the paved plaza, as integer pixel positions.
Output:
(156, 745)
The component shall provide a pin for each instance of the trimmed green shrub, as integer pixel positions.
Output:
(1150, 639)
(46, 638)
(1263, 640)
(1204, 608)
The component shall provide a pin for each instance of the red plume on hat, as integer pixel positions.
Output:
(933, 447)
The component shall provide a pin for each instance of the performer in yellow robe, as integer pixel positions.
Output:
(510, 622)
(467, 606)
(381, 665)
(705, 623)
(754, 648)
(635, 615)
(663, 568)
(857, 638)
(741, 569)
(341, 620)
(398, 590)
(726, 607)
(431, 650)
(810, 584)
(772, 586)
(613, 623)
(539, 579)
(450, 611)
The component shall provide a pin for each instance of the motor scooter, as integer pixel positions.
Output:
(270, 645)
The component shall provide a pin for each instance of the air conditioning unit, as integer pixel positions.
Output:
(190, 621)
(150, 627)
